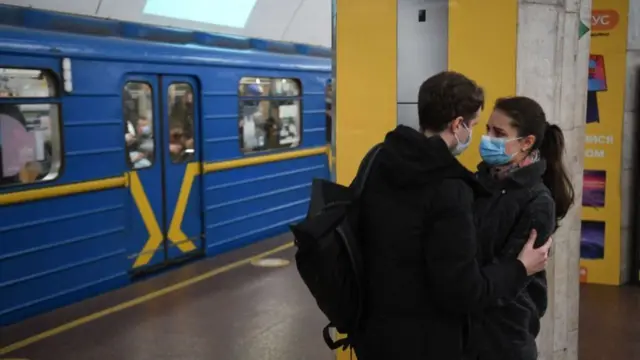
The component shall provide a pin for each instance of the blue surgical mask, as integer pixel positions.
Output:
(146, 130)
(493, 150)
(461, 146)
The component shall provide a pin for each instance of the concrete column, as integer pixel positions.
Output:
(552, 67)
(628, 145)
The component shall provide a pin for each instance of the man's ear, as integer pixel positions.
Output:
(455, 125)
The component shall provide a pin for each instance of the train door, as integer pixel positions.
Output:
(161, 126)
(182, 182)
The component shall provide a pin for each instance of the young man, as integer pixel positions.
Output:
(420, 253)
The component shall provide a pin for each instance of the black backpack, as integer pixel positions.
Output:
(328, 256)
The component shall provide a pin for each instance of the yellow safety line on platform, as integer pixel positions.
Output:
(137, 301)
(62, 190)
(257, 160)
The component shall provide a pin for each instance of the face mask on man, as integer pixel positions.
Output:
(493, 150)
(461, 146)
(146, 130)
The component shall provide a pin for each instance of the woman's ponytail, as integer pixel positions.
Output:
(556, 177)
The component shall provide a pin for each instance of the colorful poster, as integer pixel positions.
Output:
(601, 205)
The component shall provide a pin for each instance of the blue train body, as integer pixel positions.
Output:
(99, 222)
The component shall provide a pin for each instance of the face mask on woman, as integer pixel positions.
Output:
(493, 150)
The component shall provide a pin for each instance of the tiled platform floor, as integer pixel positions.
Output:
(255, 313)
(609, 323)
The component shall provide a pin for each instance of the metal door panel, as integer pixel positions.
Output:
(182, 168)
(145, 182)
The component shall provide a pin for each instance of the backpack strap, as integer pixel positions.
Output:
(343, 343)
(364, 169)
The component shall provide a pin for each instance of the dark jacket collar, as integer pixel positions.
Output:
(524, 177)
(409, 158)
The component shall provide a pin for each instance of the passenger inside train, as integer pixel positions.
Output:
(181, 114)
(328, 93)
(270, 114)
(139, 139)
(26, 141)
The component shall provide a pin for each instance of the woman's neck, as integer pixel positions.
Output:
(503, 171)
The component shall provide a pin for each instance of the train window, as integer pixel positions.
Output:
(181, 145)
(138, 131)
(270, 113)
(26, 83)
(30, 132)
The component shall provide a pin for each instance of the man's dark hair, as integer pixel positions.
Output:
(446, 96)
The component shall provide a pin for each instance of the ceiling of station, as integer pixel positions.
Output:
(302, 21)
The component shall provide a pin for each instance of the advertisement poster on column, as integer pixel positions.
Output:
(601, 205)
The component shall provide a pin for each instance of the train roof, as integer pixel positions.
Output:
(67, 35)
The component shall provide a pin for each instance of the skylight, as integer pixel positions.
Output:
(231, 13)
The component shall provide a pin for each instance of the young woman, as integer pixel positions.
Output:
(522, 167)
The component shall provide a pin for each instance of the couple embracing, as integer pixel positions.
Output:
(455, 260)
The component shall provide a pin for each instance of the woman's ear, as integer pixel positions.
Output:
(528, 142)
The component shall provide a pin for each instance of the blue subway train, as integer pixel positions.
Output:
(127, 147)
